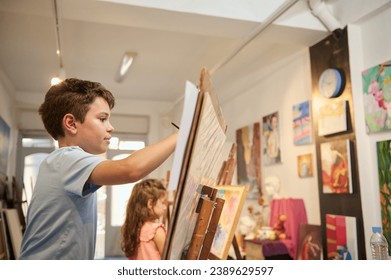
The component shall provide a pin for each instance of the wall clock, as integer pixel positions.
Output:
(331, 82)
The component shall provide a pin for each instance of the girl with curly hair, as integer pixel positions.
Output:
(143, 235)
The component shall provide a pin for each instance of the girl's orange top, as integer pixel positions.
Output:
(147, 249)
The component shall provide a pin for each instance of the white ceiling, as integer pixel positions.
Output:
(174, 40)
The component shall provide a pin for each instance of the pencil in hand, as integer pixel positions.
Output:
(176, 126)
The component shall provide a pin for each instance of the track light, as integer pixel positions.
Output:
(61, 75)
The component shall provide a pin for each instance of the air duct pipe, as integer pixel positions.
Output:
(320, 10)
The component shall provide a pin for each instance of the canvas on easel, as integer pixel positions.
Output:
(197, 154)
(234, 197)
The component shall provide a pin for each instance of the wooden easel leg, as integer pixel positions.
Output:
(236, 248)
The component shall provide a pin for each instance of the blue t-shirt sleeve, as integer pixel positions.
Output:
(77, 167)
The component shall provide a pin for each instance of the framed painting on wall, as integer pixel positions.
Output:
(383, 164)
(341, 237)
(302, 124)
(376, 83)
(4, 145)
(234, 197)
(336, 166)
(248, 156)
(271, 139)
(304, 165)
(310, 242)
(332, 118)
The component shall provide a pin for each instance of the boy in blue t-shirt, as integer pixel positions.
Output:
(62, 215)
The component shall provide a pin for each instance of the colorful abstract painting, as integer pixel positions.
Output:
(383, 165)
(304, 165)
(234, 197)
(248, 154)
(4, 145)
(341, 237)
(376, 83)
(271, 139)
(336, 166)
(332, 118)
(302, 125)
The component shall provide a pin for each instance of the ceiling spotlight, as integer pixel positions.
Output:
(126, 62)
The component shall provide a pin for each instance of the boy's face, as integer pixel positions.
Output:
(93, 135)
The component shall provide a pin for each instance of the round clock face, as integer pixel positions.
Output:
(331, 83)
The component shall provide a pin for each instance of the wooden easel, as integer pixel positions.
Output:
(225, 178)
(227, 168)
(209, 209)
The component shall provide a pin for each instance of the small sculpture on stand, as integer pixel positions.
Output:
(272, 187)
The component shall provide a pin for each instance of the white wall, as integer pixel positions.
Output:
(281, 86)
(369, 46)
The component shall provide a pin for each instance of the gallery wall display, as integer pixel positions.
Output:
(383, 150)
(248, 154)
(334, 126)
(4, 145)
(271, 139)
(376, 83)
(302, 124)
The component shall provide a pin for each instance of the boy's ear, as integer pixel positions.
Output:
(69, 122)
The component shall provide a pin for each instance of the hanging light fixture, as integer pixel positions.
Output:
(61, 75)
(126, 62)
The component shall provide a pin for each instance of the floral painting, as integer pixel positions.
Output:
(302, 125)
(383, 165)
(336, 166)
(377, 97)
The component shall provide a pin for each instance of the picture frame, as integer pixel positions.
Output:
(333, 118)
(234, 197)
(302, 123)
(4, 145)
(304, 165)
(271, 139)
(341, 236)
(383, 151)
(248, 157)
(376, 95)
(310, 242)
(336, 166)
